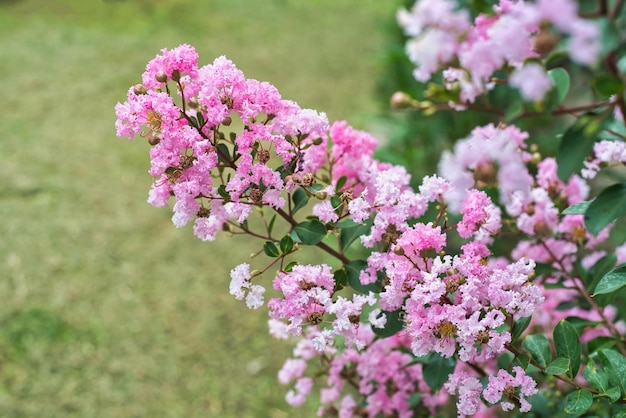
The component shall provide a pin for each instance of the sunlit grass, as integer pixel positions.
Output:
(107, 309)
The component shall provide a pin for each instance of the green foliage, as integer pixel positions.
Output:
(567, 346)
(309, 232)
(607, 207)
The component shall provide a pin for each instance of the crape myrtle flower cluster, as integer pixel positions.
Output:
(451, 304)
(424, 313)
(470, 51)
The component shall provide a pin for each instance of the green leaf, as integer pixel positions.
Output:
(270, 249)
(558, 366)
(519, 327)
(350, 231)
(309, 232)
(604, 209)
(599, 270)
(286, 244)
(521, 360)
(578, 402)
(607, 85)
(340, 183)
(567, 345)
(514, 109)
(300, 199)
(596, 377)
(560, 79)
(223, 154)
(576, 209)
(353, 271)
(544, 269)
(539, 347)
(436, 370)
(270, 227)
(611, 281)
(289, 267)
(577, 143)
(614, 364)
(599, 343)
(614, 394)
(394, 324)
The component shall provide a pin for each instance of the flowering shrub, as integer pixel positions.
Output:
(491, 286)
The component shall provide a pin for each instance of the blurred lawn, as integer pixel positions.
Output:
(108, 310)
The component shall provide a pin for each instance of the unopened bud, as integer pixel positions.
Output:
(227, 121)
(161, 77)
(154, 140)
(321, 195)
(193, 103)
(398, 250)
(545, 41)
(139, 89)
(400, 100)
(176, 75)
(536, 158)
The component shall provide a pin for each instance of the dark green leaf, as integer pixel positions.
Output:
(612, 281)
(607, 85)
(289, 267)
(599, 343)
(349, 232)
(519, 327)
(270, 227)
(437, 369)
(578, 402)
(567, 345)
(270, 249)
(614, 394)
(544, 269)
(539, 347)
(340, 183)
(558, 366)
(300, 198)
(596, 377)
(309, 232)
(353, 270)
(223, 154)
(222, 192)
(614, 364)
(576, 144)
(514, 109)
(341, 279)
(560, 79)
(610, 36)
(394, 324)
(599, 270)
(604, 209)
(581, 323)
(576, 209)
(521, 360)
(286, 244)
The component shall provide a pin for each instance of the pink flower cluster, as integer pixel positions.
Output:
(190, 150)
(442, 34)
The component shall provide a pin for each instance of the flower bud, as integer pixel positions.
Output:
(139, 89)
(161, 77)
(400, 100)
(545, 41)
(398, 250)
(176, 75)
(154, 140)
(227, 121)
(321, 195)
(193, 103)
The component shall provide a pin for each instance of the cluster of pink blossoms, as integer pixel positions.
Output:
(190, 151)
(454, 298)
(515, 32)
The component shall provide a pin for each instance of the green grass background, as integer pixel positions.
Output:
(108, 310)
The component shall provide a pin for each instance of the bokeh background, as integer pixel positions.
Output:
(108, 310)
